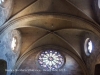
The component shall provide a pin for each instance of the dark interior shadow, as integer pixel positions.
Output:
(3, 67)
(97, 69)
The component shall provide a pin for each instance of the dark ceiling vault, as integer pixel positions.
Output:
(29, 27)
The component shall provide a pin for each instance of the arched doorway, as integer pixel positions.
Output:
(3, 67)
(97, 69)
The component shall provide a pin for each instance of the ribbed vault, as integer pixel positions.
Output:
(63, 25)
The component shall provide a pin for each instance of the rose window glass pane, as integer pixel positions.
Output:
(51, 60)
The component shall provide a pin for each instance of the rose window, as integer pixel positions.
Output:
(51, 60)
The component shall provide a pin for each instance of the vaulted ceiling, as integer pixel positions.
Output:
(39, 25)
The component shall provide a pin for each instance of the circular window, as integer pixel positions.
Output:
(51, 60)
(13, 43)
(88, 46)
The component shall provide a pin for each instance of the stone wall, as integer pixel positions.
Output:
(7, 53)
(91, 59)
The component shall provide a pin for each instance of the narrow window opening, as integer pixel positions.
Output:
(88, 46)
(13, 43)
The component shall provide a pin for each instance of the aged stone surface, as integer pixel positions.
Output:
(50, 22)
(5, 11)
(6, 52)
(71, 67)
(91, 59)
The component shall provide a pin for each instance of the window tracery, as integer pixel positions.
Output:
(51, 60)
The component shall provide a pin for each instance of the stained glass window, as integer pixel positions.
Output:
(51, 60)
(88, 46)
(13, 43)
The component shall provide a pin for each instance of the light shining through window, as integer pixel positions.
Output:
(90, 46)
(51, 60)
(13, 43)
